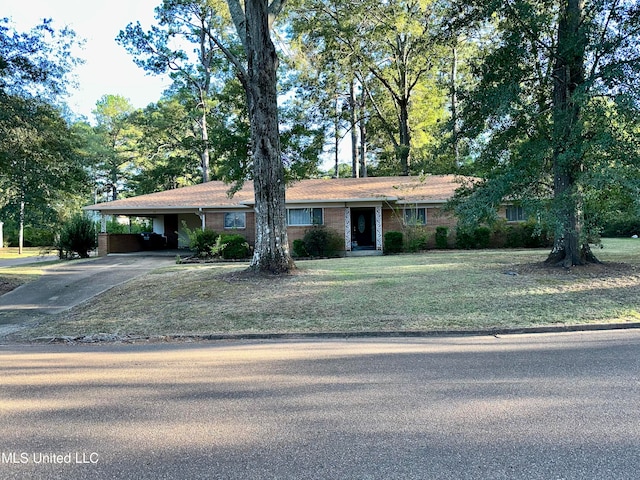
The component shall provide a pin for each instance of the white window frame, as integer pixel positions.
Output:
(236, 216)
(415, 211)
(310, 222)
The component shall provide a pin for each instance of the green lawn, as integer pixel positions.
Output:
(12, 252)
(430, 291)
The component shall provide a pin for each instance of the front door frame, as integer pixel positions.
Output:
(377, 226)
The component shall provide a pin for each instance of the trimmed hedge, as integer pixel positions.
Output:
(235, 247)
(320, 241)
(442, 238)
(393, 242)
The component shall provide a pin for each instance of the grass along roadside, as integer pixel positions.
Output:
(430, 291)
(12, 252)
(13, 277)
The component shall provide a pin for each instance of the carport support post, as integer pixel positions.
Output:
(203, 223)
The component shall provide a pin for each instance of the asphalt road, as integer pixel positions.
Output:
(548, 406)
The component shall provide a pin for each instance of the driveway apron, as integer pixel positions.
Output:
(66, 285)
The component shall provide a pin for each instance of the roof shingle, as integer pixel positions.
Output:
(435, 188)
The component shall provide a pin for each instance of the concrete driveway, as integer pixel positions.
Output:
(68, 284)
(552, 406)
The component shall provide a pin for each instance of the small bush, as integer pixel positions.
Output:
(527, 235)
(464, 238)
(299, 250)
(320, 241)
(234, 246)
(442, 238)
(393, 242)
(200, 241)
(482, 237)
(417, 239)
(78, 236)
(468, 238)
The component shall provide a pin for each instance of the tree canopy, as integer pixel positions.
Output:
(547, 116)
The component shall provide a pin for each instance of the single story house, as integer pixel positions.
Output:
(361, 210)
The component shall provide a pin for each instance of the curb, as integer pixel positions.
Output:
(112, 338)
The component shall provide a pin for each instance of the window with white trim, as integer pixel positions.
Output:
(415, 216)
(515, 214)
(235, 220)
(300, 217)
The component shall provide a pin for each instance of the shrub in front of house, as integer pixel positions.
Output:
(234, 247)
(464, 238)
(526, 235)
(417, 239)
(393, 242)
(442, 238)
(470, 238)
(200, 241)
(482, 237)
(299, 250)
(77, 236)
(320, 241)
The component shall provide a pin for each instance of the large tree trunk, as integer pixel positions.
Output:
(571, 246)
(271, 254)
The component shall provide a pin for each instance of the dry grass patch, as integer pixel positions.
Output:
(432, 291)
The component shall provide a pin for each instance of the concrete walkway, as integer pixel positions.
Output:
(68, 284)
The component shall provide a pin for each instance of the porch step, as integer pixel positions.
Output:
(363, 253)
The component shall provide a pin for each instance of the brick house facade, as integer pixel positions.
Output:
(360, 210)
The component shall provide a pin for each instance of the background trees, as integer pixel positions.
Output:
(41, 170)
(550, 100)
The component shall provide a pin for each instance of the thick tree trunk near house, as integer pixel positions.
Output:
(271, 254)
(571, 246)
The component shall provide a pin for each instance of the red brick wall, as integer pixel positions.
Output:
(215, 221)
(118, 243)
(332, 218)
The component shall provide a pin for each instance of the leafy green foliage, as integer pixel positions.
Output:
(299, 249)
(321, 241)
(623, 228)
(36, 63)
(200, 241)
(442, 238)
(77, 236)
(472, 238)
(233, 247)
(393, 242)
(417, 238)
(565, 147)
(41, 171)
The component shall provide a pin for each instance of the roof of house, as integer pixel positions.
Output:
(214, 195)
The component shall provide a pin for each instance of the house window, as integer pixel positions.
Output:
(515, 214)
(304, 216)
(235, 220)
(415, 216)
